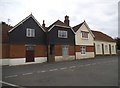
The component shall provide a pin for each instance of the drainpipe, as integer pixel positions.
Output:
(75, 48)
(47, 45)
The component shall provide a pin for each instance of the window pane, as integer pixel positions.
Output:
(62, 34)
(84, 34)
(83, 49)
(30, 32)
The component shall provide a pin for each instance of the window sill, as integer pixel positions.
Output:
(85, 38)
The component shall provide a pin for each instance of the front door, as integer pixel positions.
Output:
(102, 49)
(110, 49)
(65, 50)
(30, 54)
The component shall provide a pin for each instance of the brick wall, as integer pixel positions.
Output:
(88, 48)
(71, 50)
(5, 29)
(77, 47)
(5, 51)
(58, 50)
(40, 51)
(17, 50)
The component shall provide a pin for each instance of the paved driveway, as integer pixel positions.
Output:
(101, 71)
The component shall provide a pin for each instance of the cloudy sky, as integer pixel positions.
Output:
(101, 15)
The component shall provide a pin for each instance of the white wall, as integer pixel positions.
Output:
(81, 41)
(61, 58)
(21, 61)
(84, 56)
(99, 50)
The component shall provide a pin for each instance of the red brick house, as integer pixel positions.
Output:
(61, 41)
(26, 43)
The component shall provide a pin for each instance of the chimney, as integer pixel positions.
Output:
(43, 25)
(66, 21)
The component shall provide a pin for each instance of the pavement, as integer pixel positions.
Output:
(100, 71)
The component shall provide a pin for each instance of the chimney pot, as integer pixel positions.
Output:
(43, 25)
(66, 21)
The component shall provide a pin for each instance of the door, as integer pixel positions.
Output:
(30, 54)
(102, 49)
(64, 50)
(110, 49)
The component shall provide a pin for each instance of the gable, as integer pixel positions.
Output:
(59, 23)
(19, 34)
(55, 39)
(84, 27)
(24, 20)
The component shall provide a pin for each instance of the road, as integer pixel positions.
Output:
(101, 71)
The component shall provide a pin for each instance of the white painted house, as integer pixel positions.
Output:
(104, 44)
(84, 41)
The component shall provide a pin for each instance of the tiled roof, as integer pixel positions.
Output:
(58, 22)
(102, 37)
(75, 28)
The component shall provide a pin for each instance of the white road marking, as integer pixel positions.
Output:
(63, 68)
(11, 76)
(72, 67)
(80, 65)
(43, 71)
(27, 74)
(38, 71)
(87, 65)
(10, 84)
(53, 69)
(93, 63)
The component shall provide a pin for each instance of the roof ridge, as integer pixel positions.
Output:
(75, 28)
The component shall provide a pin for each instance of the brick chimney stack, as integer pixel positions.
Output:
(43, 25)
(66, 21)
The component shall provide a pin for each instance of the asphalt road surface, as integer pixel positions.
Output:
(101, 71)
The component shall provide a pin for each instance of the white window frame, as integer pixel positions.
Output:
(106, 48)
(30, 32)
(98, 48)
(62, 34)
(83, 50)
(83, 33)
(113, 48)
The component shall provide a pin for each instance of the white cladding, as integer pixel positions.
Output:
(108, 47)
(82, 41)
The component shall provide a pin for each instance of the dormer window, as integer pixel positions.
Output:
(62, 34)
(30, 32)
(84, 34)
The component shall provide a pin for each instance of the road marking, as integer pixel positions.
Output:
(87, 64)
(38, 71)
(11, 76)
(63, 68)
(72, 67)
(93, 63)
(53, 69)
(80, 65)
(43, 71)
(27, 74)
(10, 84)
